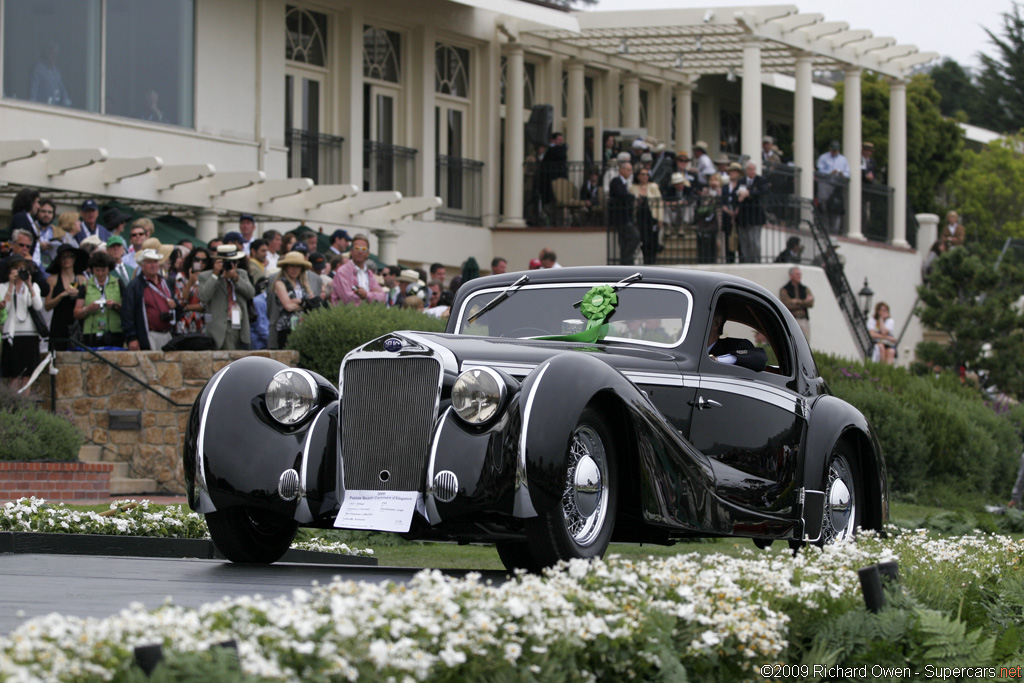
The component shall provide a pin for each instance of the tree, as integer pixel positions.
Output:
(986, 191)
(934, 143)
(976, 305)
(959, 96)
(1001, 82)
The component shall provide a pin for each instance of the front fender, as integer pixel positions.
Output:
(833, 420)
(235, 452)
(552, 399)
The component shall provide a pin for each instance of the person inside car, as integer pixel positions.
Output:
(731, 351)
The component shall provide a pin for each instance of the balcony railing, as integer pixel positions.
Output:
(388, 167)
(682, 236)
(832, 198)
(314, 155)
(460, 185)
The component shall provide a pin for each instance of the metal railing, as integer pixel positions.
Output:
(832, 198)
(687, 234)
(876, 212)
(314, 155)
(460, 186)
(845, 296)
(554, 194)
(388, 167)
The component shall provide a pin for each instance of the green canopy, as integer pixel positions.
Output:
(168, 229)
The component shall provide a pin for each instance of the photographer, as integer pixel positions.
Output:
(20, 337)
(226, 291)
(149, 311)
(99, 304)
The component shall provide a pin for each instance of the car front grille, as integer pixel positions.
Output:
(388, 411)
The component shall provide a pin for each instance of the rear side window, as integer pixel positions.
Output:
(749, 318)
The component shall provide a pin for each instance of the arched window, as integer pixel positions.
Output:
(451, 73)
(306, 37)
(382, 54)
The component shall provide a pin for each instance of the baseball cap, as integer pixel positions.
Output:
(340, 234)
(318, 261)
(115, 239)
(246, 217)
(234, 236)
(89, 205)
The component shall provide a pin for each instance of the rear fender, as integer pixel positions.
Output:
(834, 420)
(235, 452)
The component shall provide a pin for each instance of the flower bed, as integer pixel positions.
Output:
(702, 617)
(128, 518)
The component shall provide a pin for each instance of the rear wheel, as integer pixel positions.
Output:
(843, 496)
(581, 525)
(251, 535)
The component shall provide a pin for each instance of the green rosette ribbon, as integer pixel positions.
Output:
(597, 306)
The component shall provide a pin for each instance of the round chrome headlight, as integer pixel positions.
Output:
(477, 395)
(291, 396)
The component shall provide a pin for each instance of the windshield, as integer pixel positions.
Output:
(652, 314)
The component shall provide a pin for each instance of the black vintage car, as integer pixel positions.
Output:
(562, 409)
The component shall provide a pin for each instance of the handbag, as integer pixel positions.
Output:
(734, 241)
(42, 329)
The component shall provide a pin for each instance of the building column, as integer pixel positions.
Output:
(207, 224)
(574, 112)
(803, 125)
(630, 101)
(852, 150)
(898, 162)
(514, 137)
(752, 118)
(387, 246)
(927, 233)
(684, 116)
(664, 118)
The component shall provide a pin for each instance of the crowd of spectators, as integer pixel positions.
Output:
(71, 280)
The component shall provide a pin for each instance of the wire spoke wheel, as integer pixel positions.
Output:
(585, 499)
(841, 511)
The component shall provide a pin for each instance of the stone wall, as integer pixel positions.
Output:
(89, 389)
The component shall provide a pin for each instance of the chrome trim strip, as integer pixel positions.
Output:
(433, 516)
(448, 360)
(523, 506)
(201, 450)
(563, 285)
(520, 370)
(807, 538)
(302, 511)
(775, 397)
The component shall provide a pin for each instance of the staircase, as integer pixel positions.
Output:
(121, 481)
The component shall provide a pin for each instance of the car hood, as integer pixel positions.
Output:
(518, 357)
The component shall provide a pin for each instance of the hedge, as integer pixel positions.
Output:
(29, 433)
(325, 336)
(939, 437)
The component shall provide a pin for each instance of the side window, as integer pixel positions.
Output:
(747, 319)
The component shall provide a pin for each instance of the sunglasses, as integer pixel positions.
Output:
(138, 234)
(360, 249)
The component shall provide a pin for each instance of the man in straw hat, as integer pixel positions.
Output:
(226, 292)
(149, 309)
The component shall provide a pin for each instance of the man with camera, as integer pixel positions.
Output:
(149, 310)
(21, 248)
(226, 291)
(20, 307)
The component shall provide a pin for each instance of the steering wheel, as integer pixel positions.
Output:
(526, 332)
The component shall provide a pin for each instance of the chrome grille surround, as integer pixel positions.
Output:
(389, 408)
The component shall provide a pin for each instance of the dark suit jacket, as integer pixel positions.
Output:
(751, 208)
(620, 201)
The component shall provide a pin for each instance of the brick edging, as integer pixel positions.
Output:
(57, 481)
(55, 466)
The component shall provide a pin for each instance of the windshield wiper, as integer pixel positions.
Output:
(501, 297)
(635, 277)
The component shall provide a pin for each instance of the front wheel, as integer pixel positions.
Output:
(251, 535)
(842, 497)
(581, 525)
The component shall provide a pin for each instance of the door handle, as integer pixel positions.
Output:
(703, 403)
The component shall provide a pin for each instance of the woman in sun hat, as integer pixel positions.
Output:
(66, 279)
(291, 288)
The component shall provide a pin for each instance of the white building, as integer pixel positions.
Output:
(405, 119)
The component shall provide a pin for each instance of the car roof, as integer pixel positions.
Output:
(702, 283)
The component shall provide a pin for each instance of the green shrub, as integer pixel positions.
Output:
(34, 434)
(326, 336)
(942, 442)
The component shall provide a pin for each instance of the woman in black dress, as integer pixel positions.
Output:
(66, 277)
